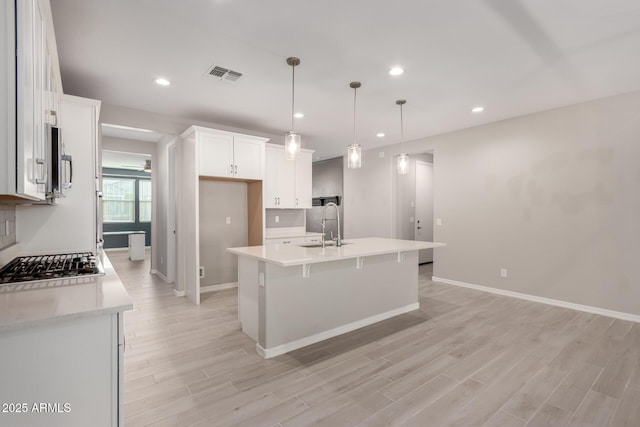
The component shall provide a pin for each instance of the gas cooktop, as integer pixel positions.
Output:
(47, 267)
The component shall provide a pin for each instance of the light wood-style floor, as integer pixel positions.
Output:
(466, 358)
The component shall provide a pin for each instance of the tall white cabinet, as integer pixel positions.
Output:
(210, 154)
(287, 182)
(30, 88)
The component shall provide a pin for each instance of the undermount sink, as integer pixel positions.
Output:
(319, 245)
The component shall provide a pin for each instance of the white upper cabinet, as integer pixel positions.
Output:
(29, 89)
(248, 157)
(228, 155)
(303, 180)
(287, 182)
(215, 154)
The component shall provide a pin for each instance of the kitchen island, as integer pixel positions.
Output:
(293, 296)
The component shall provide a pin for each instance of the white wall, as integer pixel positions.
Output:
(219, 200)
(368, 199)
(553, 197)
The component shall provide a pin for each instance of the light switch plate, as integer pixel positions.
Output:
(228, 220)
(503, 273)
(411, 219)
(261, 279)
(438, 221)
(381, 154)
(277, 219)
(413, 204)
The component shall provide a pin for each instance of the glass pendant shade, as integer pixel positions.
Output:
(354, 156)
(292, 143)
(403, 164)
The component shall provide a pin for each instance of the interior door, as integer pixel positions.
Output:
(424, 208)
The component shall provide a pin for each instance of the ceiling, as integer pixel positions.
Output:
(127, 132)
(122, 160)
(511, 56)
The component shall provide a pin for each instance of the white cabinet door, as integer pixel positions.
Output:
(215, 155)
(39, 100)
(286, 181)
(247, 157)
(303, 181)
(25, 79)
(271, 177)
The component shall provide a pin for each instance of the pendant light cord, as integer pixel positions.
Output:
(354, 114)
(401, 130)
(293, 95)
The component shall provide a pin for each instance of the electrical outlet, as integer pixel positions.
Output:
(411, 219)
(228, 220)
(503, 273)
(277, 219)
(201, 271)
(381, 154)
(438, 221)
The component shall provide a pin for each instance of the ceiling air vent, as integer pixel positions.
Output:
(221, 73)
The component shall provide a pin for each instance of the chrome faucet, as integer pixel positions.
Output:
(324, 219)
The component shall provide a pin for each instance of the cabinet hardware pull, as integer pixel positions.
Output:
(287, 241)
(231, 169)
(296, 201)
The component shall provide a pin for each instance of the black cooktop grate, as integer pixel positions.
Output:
(45, 267)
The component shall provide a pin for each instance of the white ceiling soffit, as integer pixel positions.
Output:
(122, 160)
(513, 57)
(126, 132)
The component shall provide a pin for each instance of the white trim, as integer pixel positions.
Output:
(268, 353)
(179, 293)
(559, 303)
(212, 288)
(160, 275)
(115, 249)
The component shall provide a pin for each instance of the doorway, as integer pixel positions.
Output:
(424, 208)
(414, 217)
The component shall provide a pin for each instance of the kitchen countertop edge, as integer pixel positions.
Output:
(116, 299)
(298, 255)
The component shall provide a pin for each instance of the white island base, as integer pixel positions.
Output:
(323, 292)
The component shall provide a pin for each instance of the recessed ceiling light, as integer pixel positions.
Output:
(298, 115)
(477, 109)
(396, 71)
(162, 81)
(380, 135)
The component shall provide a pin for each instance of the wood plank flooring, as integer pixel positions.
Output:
(466, 358)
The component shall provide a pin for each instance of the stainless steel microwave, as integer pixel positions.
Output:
(60, 168)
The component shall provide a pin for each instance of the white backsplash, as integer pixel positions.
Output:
(7, 213)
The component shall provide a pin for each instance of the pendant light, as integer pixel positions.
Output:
(403, 159)
(292, 140)
(354, 151)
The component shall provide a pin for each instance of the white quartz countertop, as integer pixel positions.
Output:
(285, 234)
(38, 303)
(290, 255)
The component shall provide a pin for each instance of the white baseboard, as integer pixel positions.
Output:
(212, 288)
(268, 353)
(558, 303)
(179, 293)
(160, 275)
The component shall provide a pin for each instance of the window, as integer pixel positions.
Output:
(119, 195)
(144, 200)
